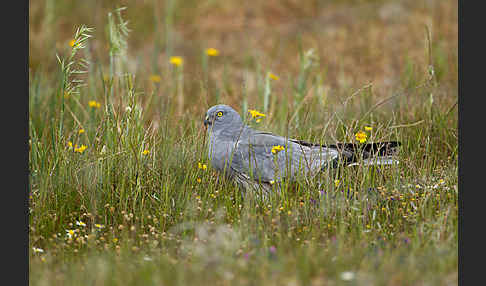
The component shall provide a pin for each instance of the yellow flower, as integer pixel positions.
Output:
(115, 240)
(256, 114)
(72, 42)
(336, 183)
(272, 182)
(361, 137)
(145, 152)
(70, 233)
(155, 78)
(278, 148)
(99, 226)
(76, 148)
(94, 103)
(202, 166)
(80, 223)
(212, 52)
(198, 180)
(177, 61)
(81, 131)
(80, 149)
(273, 76)
(368, 128)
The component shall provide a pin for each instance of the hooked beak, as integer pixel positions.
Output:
(206, 121)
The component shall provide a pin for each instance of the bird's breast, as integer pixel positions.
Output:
(220, 153)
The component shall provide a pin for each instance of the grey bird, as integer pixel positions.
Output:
(261, 160)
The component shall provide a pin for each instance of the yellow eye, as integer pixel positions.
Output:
(219, 114)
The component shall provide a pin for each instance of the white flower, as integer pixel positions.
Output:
(37, 250)
(347, 275)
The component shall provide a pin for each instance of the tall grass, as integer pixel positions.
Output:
(140, 204)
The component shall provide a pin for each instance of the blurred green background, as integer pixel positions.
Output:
(356, 42)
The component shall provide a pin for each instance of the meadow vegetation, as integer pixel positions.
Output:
(121, 191)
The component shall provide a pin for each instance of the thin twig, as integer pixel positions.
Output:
(452, 107)
(407, 125)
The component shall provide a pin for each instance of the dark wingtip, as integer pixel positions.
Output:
(369, 149)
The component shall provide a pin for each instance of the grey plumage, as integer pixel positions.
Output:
(245, 154)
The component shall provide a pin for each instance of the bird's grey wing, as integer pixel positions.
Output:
(255, 159)
(254, 156)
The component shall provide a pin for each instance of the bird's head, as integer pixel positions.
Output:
(221, 117)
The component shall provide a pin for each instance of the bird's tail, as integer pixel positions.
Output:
(379, 153)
